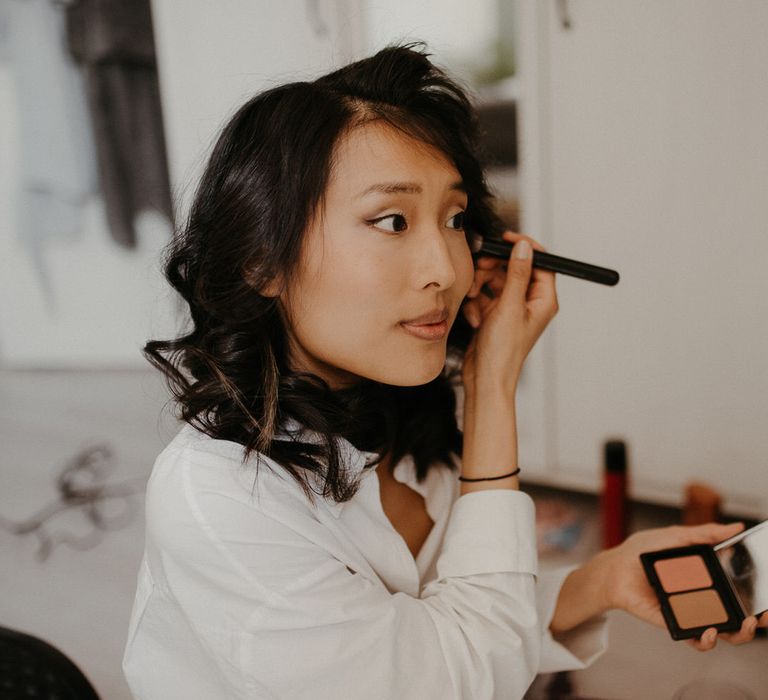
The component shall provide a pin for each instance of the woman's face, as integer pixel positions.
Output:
(386, 246)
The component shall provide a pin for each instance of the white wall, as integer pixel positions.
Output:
(214, 56)
(211, 58)
(460, 35)
(108, 301)
(645, 149)
(104, 301)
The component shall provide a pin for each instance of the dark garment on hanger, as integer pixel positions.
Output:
(113, 42)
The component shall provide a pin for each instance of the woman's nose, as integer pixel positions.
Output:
(437, 259)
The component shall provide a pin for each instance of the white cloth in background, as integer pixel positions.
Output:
(247, 591)
(57, 165)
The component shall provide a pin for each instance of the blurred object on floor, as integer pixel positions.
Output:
(712, 690)
(560, 687)
(80, 486)
(702, 504)
(80, 601)
(558, 524)
(555, 686)
(33, 668)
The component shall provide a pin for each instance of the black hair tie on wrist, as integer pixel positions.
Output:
(491, 478)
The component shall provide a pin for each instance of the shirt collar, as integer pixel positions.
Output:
(355, 460)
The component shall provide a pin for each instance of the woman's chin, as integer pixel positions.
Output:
(415, 374)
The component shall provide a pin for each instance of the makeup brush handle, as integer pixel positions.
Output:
(553, 263)
(574, 268)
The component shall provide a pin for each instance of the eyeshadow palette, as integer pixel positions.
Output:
(702, 586)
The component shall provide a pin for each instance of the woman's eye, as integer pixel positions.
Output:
(458, 221)
(397, 223)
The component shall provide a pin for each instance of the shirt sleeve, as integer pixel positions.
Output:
(285, 618)
(577, 648)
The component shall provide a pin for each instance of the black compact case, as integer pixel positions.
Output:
(678, 582)
(702, 586)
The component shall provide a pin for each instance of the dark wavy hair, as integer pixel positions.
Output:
(230, 375)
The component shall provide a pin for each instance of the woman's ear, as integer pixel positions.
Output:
(271, 288)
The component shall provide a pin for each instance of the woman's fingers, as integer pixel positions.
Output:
(710, 533)
(518, 277)
(513, 237)
(485, 278)
(484, 275)
(745, 634)
(709, 639)
(717, 532)
(490, 277)
(493, 276)
(475, 309)
(682, 535)
(706, 642)
(541, 291)
(473, 314)
(491, 272)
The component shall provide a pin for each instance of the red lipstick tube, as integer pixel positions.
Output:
(614, 503)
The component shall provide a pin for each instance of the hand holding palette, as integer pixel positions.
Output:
(702, 586)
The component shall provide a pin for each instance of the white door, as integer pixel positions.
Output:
(645, 148)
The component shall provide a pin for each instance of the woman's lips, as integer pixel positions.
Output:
(427, 331)
(432, 325)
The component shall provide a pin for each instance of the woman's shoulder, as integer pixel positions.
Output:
(195, 468)
(192, 446)
(201, 490)
(210, 513)
(193, 441)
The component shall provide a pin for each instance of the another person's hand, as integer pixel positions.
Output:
(627, 587)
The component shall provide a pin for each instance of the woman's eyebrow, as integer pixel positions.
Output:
(404, 188)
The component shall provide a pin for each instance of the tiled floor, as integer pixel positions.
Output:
(79, 597)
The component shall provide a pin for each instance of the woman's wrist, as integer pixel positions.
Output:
(487, 388)
(510, 483)
(490, 445)
(584, 594)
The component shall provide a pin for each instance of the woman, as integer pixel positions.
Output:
(307, 532)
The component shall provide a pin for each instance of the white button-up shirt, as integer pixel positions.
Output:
(246, 590)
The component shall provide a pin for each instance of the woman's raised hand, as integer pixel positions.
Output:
(509, 322)
(509, 305)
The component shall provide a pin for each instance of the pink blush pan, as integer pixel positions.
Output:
(683, 573)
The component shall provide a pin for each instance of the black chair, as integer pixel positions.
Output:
(32, 668)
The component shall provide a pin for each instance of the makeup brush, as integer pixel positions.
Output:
(546, 261)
